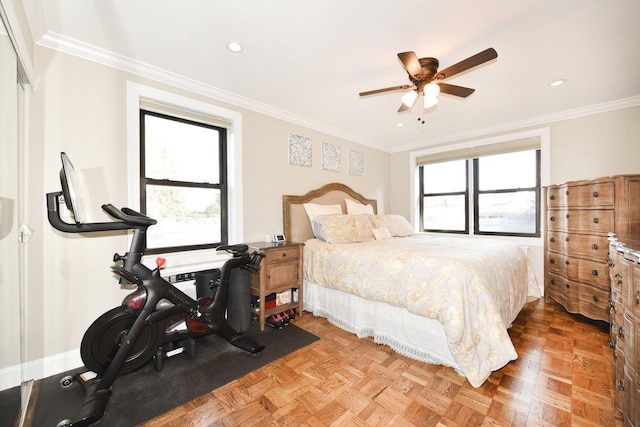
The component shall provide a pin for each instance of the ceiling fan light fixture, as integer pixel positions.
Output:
(430, 102)
(431, 91)
(409, 98)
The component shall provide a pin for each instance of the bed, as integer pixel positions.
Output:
(440, 300)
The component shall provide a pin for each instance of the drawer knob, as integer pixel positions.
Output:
(552, 261)
(566, 192)
(594, 247)
(596, 220)
(621, 385)
(621, 332)
(595, 298)
(567, 285)
(595, 194)
(553, 282)
(567, 262)
(552, 218)
(618, 278)
(284, 254)
(610, 342)
(637, 297)
(552, 240)
(566, 239)
(552, 197)
(594, 272)
(567, 216)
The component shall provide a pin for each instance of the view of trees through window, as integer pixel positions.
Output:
(182, 182)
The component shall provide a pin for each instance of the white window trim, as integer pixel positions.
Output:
(200, 259)
(545, 165)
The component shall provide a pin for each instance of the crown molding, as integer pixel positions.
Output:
(92, 53)
(520, 124)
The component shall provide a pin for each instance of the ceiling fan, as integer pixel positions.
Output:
(426, 79)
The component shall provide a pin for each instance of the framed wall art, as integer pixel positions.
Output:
(330, 157)
(300, 150)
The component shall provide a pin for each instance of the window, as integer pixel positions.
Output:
(505, 196)
(183, 182)
(445, 197)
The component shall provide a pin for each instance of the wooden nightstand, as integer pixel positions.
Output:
(280, 271)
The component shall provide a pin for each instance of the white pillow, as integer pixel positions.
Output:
(313, 210)
(397, 225)
(355, 208)
(381, 233)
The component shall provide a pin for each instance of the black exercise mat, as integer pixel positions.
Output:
(9, 406)
(147, 393)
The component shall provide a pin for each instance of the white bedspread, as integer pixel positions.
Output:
(474, 287)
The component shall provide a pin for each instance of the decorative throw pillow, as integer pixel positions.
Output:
(397, 225)
(343, 228)
(355, 208)
(381, 233)
(313, 210)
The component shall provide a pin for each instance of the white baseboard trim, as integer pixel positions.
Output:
(40, 368)
(9, 377)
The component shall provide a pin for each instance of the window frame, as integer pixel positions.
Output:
(137, 94)
(477, 192)
(221, 185)
(424, 195)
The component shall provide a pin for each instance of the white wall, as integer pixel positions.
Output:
(80, 107)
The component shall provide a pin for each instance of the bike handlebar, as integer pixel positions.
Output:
(128, 216)
(129, 219)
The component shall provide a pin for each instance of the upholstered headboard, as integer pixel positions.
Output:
(297, 227)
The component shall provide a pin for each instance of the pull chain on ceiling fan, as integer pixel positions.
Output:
(427, 80)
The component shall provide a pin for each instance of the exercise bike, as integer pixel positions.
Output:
(156, 315)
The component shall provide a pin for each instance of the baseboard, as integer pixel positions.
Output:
(9, 377)
(41, 368)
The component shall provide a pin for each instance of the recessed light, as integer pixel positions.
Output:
(556, 83)
(400, 125)
(234, 46)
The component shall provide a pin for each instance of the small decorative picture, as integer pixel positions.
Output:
(300, 150)
(356, 163)
(330, 157)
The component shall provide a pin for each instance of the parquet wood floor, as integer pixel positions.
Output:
(562, 377)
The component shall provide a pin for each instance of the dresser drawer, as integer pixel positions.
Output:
(595, 273)
(578, 245)
(586, 220)
(564, 291)
(556, 197)
(591, 195)
(594, 302)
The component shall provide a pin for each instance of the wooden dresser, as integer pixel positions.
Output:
(580, 214)
(624, 260)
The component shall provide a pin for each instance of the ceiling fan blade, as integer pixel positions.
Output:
(472, 61)
(386, 89)
(411, 63)
(454, 90)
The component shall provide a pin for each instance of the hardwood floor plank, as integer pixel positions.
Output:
(562, 377)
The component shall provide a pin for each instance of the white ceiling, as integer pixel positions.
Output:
(307, 60)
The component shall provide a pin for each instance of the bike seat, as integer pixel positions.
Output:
(238, 248)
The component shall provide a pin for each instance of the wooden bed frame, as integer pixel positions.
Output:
(297, 227)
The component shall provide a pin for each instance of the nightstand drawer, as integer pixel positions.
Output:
(284, 254)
